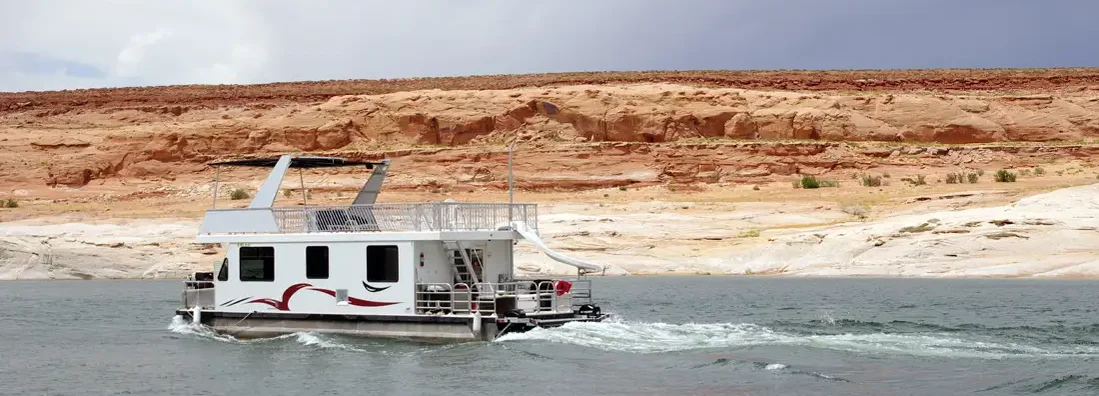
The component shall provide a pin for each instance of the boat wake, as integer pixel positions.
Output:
(641, 337)
(180, 325)
(773, 367)
(1060, 384)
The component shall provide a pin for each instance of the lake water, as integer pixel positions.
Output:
(671, 336)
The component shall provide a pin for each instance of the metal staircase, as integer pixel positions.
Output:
(460, 260)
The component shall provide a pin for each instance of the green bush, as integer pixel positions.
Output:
(11, 203)
(813, 182)
(809, 182)
(1003, 176)
(959, 178)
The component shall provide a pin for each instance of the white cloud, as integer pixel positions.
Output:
(139, 42)
(129, 60)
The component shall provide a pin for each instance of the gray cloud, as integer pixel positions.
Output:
(136, 42)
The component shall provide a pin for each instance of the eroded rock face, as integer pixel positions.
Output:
(102, 142)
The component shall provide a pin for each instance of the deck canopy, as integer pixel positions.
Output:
(265, 197)
(298, 162)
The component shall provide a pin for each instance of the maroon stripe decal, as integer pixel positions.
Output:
(284, 304)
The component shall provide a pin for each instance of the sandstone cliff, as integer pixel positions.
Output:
(74, 146)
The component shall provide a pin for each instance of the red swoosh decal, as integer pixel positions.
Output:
(268, 301)
(284, 304)
(354, 301)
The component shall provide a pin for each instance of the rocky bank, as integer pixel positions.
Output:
(1051, 234)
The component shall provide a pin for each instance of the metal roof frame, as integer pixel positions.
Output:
(300, 162)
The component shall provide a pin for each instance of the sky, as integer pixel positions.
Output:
(72, 44)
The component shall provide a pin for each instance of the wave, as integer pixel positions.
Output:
(773, 367)
(642, 337)
(623, 336)
(1060, 384)
(179, 325)
(827, 321)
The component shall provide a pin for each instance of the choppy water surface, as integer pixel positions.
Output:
(672, 335)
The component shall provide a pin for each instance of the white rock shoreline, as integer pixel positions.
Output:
(1049, 235)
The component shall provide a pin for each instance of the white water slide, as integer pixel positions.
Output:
(531, 236)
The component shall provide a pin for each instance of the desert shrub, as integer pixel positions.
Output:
(749, 234)
(960, 178)
(1003, 176)
(919, 180)
(11, 203)
(855, 210)
(920, 228)
(829, 183)
(239, 193)
(809, 182)
(871, 181)
(1039, 171)
(1024, 172)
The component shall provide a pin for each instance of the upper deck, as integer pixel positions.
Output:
(403, 217)
(363, 218)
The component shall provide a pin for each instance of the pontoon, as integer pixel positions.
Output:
(439, 271)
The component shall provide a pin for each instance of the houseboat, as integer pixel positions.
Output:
(429, 271)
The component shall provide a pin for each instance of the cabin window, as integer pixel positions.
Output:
(316, 262)
(223, 273)
(257, 263)
(382, 264)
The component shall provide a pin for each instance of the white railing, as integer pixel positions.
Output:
(529, 296)
(197, 293)
(437, 216)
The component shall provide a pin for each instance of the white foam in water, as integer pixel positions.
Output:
(180, 325)
(775, 366)
(642, 337)
(311, 339)
(651, 337)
